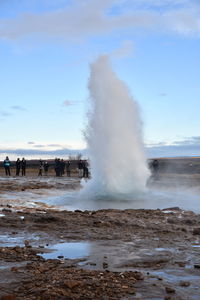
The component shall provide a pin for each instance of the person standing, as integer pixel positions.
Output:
(68, 168)
(85, 169)
(155, 169)
(62, 167)
(41, 168)
(23, 164)
(18, 166)
(46, 168)
(80, 168)
(57, 166)
(6, 165)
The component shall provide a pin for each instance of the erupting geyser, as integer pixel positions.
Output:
(114, 135)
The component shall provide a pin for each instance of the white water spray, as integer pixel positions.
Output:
(113, 135)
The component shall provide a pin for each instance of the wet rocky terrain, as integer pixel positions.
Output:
(49, 253)
(131, 254)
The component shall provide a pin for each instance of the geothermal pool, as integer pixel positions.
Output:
(61, 197)
(151, 199)
(69, 194)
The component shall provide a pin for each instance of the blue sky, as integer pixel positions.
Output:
(46, 47)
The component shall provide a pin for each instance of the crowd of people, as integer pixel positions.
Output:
(61, 167)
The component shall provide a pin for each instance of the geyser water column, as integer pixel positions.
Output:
(113, 135)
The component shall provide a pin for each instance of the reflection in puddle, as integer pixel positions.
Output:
(15, 239)
(11, 241)
(170, 250)
(68, 250)
(171, 277)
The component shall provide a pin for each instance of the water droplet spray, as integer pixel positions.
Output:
(114, 135)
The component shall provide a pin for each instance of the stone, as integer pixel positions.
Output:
(131, 291)
(14, 269)
(184, 283)
(105, 265)
(170, 290)
(189, 222)
(138, 275)
(125, 287)
(181, 264)
(26, 243)
(196, 231)
(9, 297)
(197, 266)
(17, 249)
(71, 284)
(6, 210)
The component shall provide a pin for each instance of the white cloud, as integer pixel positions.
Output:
(186, 147)
(89, 18)
(184, 21)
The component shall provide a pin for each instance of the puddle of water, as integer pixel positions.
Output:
(9, 240)
(3, 267)
(68, 250)
(9, 265)
(171, 250)
(68, 201)
(162, 249)
(171, 277)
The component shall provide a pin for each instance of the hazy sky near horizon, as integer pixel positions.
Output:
(46, 47)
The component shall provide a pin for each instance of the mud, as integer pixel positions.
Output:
(162, 246)
(105, 254)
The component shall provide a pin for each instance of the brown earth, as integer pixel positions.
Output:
(138, 250)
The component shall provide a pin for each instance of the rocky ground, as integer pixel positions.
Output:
(122, 254)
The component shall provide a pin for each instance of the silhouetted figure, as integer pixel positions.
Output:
(46, 168)
(23, 164)
(41, 168)
(80, 168)
(18, 166)
(6, 165)
(68, 168)
(155, 169)
(62, 167)
(58, 167)
(85, 169)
